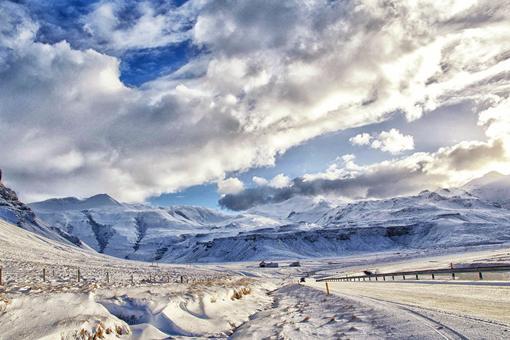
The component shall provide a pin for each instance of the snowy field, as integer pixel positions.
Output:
(113, 297)
(116, 298)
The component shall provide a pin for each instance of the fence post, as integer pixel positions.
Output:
(44, 274)
(480, 275)
(182, 279)
(107, 277)
(417, 277)
(132, 279)
(403, 277)
(433, 276)
(453, 276)
(327, 288)
(1, 282)
(78, 274)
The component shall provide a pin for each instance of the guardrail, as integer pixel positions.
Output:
(415, 274)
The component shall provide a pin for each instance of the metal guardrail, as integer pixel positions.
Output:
(415, 274)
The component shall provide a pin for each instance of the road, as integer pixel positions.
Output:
(460, 310)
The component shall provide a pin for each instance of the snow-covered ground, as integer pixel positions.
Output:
(58, 282)
(300, 227)
(113, 297)
(234, 300)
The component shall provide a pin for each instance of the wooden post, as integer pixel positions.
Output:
(107, 277)
(453, 276)
(384, 277)
(433, 276)
(182, 279)
(403, 277)
(417, 277)
(393, 277)
(376, 278)
(480, 275)
(1, 282)
(327, 288)
(78, 274)
(132, 279)
(44, 274)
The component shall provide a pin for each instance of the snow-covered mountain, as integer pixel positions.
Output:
(73, 203)
(298, 228)
(494, 187)
(16, 212)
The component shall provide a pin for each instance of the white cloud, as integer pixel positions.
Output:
(230, 185)
(288, 74)
(280, 181)
(151, 28)
(393, 142)
(260, 180)
(361, 139)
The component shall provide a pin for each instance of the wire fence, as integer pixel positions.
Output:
(74, 275)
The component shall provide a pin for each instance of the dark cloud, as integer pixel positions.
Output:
(387, 181)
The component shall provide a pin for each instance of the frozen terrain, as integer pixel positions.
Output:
(301, 227)
(73, 293)
(58, 259)
(117, 298)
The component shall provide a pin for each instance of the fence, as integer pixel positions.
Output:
(74, 275)
(419, 274)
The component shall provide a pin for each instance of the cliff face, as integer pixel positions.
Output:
(13, 209)
(16, 212)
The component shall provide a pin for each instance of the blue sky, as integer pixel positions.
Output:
(185, 102)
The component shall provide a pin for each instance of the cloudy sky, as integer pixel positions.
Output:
(247, 102)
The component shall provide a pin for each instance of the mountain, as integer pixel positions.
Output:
(73, 203)
(297, 228)
(493, 186)
(16, 212)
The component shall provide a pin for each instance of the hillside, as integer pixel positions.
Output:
(298, 228)
(494, 187)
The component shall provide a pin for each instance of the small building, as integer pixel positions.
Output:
(295, 264)
(265, 264)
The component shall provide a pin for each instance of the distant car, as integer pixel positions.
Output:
(368, 272)
(302, 279)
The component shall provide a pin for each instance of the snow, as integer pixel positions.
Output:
(236, 300)
(210, 302)
(493, 187)
(298, 228)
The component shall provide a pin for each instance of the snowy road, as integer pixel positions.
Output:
(448, 311)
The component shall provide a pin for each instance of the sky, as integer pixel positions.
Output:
(232, 104)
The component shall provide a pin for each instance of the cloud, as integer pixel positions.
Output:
(393, 142)
(115, 25)
(280, 181)
(230, 186)
(361, 139)
(449, 166)
(271, 76)
(260, 180)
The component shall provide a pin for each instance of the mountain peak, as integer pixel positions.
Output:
(488, 178)
(73, 203)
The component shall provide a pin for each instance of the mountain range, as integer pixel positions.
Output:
(301, 227)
